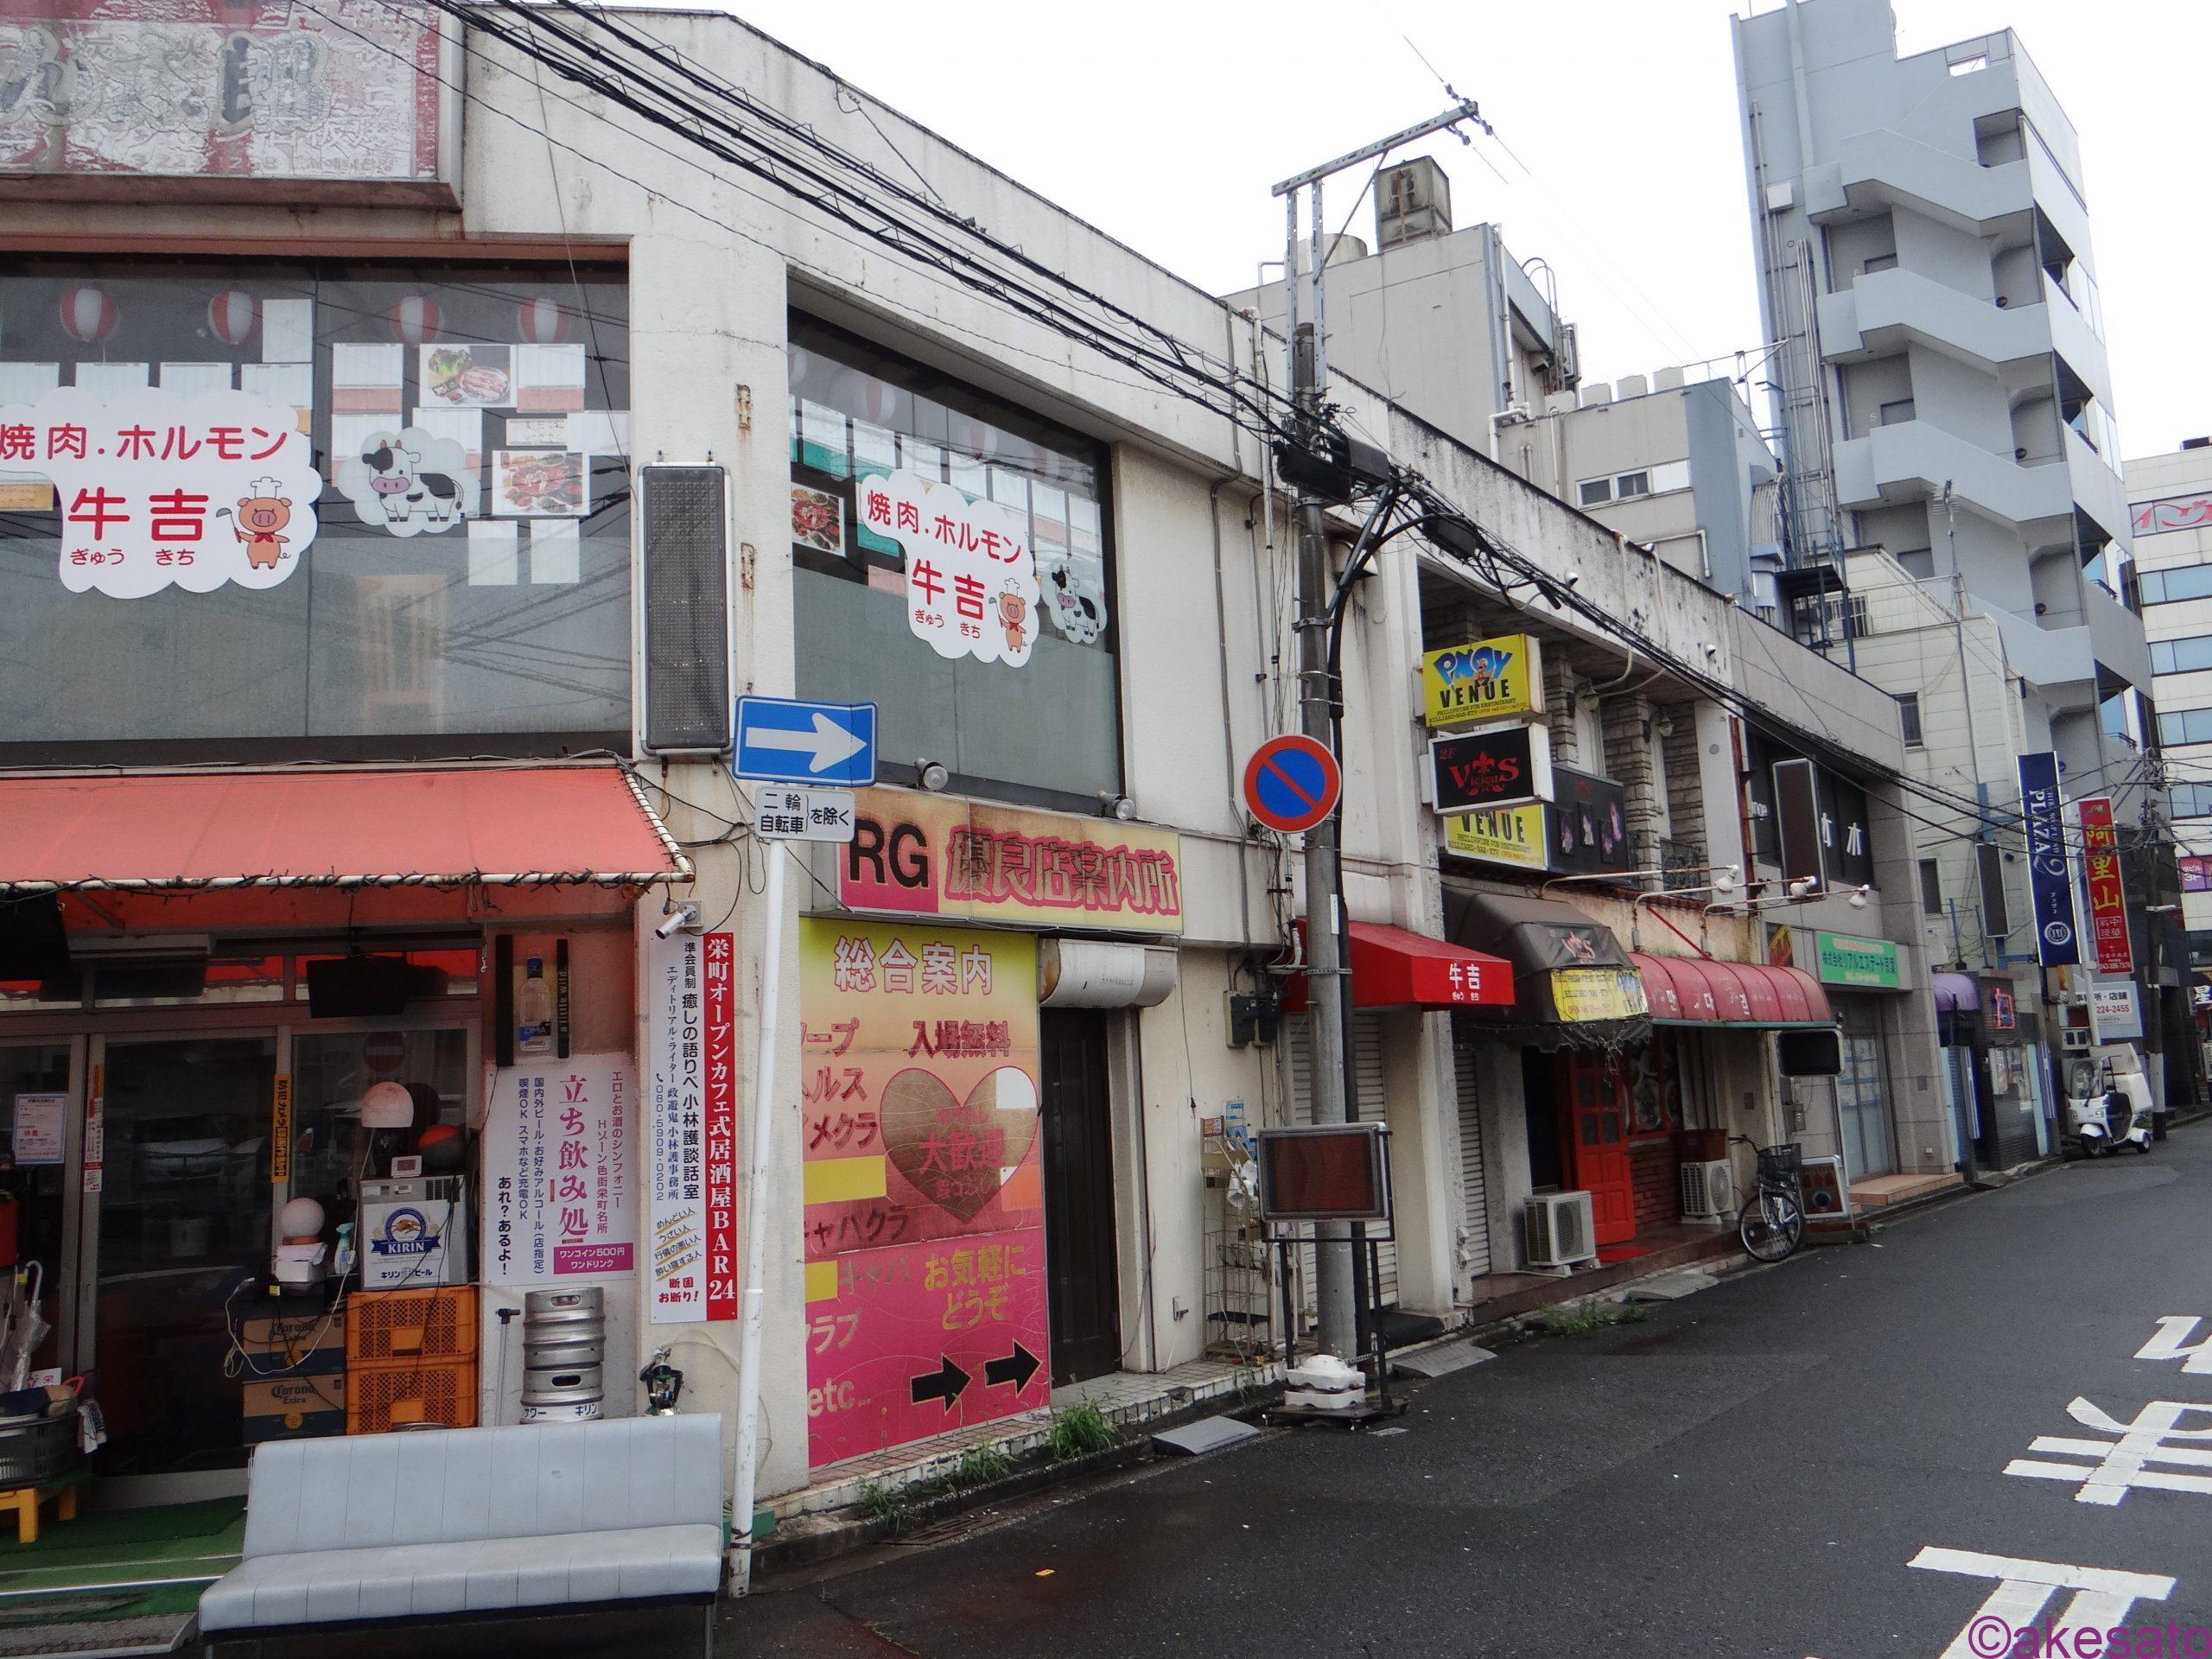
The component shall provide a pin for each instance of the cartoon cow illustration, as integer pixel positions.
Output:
(1080, 614)
(259, 517)
(401, 485)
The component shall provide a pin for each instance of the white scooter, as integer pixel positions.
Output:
(2116, 1113)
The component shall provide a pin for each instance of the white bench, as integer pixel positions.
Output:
(462, 1525)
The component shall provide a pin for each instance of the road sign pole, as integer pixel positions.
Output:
(1336, 1306)
(754, 1197)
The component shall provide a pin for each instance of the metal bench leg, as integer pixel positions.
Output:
(710, 1629)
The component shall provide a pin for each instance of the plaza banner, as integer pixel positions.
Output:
(2049, 877)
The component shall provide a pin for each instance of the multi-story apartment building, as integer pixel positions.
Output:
(2172, 502)
(1922, 230)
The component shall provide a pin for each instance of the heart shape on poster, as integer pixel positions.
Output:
(957, 1152)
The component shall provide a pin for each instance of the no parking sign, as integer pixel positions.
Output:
(1291, 783)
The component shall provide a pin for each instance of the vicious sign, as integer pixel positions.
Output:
(1496, 766)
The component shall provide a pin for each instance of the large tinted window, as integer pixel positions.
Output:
(868, 429)
(468, 574)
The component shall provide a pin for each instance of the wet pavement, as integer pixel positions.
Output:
(1751, 1470)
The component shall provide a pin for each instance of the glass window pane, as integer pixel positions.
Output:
(469, 571)
(980, 718)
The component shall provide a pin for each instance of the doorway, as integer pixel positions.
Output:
(183, 1221)
(39, 1087)
(1082, 1279)
(1597, 1115)
(1862, 1103)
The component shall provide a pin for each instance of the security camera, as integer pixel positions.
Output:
(683, 916)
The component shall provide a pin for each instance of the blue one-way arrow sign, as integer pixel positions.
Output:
(785, 740)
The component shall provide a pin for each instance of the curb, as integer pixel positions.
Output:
(810, 1539)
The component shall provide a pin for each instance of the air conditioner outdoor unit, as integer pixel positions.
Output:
(1562, 1230)
(1708, 1190)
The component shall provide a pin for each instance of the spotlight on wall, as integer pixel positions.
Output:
(1858, 899)
(931, 774)
(1724, 879)
(1116, 806)
(1803, 885)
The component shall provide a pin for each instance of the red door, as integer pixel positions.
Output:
(1597, 1115)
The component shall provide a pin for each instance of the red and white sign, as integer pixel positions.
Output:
(689, 1093)
(720, 1041)
(2102, 886)
(972, 578)
(158, 487)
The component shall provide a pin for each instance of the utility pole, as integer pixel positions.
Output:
(1339, 1267)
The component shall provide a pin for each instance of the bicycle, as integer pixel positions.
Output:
(1772, 1224)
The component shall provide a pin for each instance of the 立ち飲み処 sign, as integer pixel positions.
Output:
(924, 1220)
(971, 580)
(556, 1170)
(157, 487)
(927, 855)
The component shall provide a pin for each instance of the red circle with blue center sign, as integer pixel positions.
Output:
(1291, 783)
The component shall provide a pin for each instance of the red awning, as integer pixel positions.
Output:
(1691, 991)
(1393, 969)
(368, 828)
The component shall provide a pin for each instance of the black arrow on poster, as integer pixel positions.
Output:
(945, 1384)
(1016, 1368)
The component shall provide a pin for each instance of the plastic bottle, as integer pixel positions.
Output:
(534, 1011)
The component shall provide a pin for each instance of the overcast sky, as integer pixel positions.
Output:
(1165, 124)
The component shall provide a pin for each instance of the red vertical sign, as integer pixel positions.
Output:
(718, 1101)
(2101, 880)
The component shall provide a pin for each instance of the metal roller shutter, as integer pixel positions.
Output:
(1367, 1058)
(1471, 1158)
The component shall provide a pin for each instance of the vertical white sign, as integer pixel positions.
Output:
(556, 1170)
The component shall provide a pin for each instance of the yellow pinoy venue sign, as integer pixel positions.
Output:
(1513, 835)
(1486, 679)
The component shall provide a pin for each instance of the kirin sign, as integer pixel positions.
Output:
(160, 487)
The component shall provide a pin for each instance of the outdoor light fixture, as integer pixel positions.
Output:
(1116, 806)
(931, 774)
(1859, 899)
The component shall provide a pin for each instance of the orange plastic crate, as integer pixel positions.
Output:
(410, 1324)
(405, 1393)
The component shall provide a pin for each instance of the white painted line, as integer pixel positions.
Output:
(2101, 1597)
(2174, 1331)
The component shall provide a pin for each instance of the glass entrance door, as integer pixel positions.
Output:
(39, 1099)
(183, 1218)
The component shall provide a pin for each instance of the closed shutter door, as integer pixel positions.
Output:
(1367, 1064)
(1367, 1058)
(1477, 1249)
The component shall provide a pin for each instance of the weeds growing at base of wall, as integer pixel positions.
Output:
(1581, 1319)
(1078, 1431)
(880, 1502)
(979, 1466)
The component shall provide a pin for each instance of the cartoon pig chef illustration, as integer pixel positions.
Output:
(260, 516)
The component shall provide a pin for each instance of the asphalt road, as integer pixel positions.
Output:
(1753, 1472)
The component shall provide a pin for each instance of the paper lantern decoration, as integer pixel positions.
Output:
(387, 1106)
(541, 321)
(877, 400)
(232, 314)
(88, 314)
(415, 319)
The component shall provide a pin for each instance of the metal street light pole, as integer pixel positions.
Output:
(1336, 1269)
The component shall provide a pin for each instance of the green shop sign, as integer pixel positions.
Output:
(1848, 961)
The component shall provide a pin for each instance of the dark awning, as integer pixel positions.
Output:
(1568, 970)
